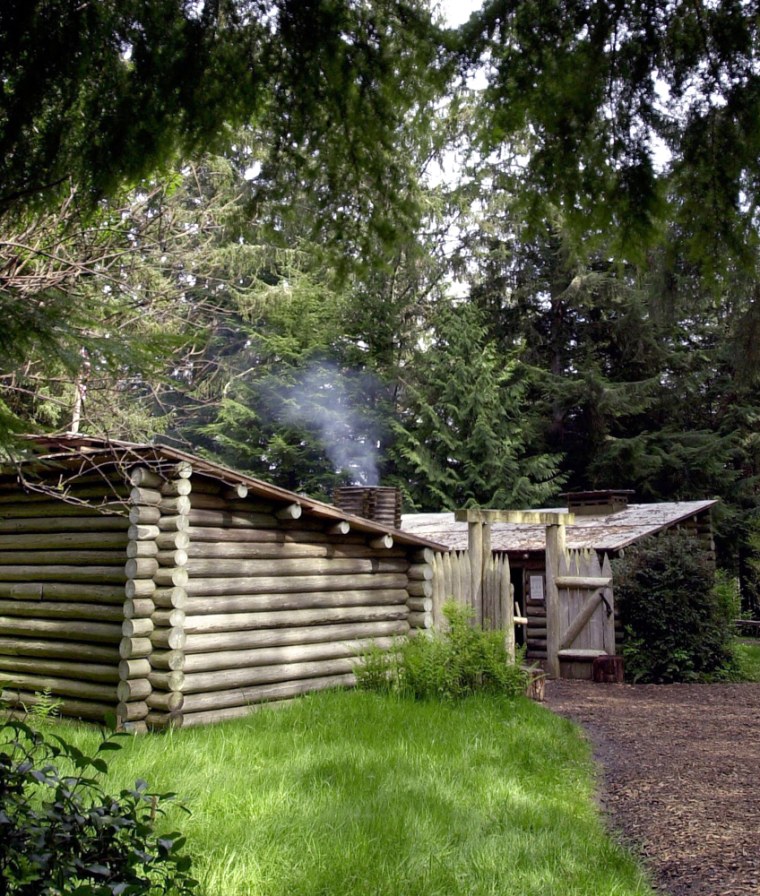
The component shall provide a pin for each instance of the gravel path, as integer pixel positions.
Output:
(681, 777)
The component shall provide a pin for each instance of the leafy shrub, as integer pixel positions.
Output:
(444, 665)
(63, 835)
(677, 623)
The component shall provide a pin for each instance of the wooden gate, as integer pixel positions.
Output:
(580, 610)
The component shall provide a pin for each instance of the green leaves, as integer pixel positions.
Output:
(62, 833)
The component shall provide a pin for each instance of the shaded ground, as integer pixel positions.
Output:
(681, 777)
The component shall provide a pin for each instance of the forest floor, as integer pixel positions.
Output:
(679, 777)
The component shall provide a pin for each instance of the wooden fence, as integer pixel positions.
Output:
(489, 595)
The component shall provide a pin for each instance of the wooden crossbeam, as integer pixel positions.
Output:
(577, 625)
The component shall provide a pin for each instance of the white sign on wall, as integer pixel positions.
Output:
(537, 588)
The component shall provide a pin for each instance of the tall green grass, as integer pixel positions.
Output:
(357, 793)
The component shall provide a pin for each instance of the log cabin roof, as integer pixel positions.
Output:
(610, 532)
(75, 453)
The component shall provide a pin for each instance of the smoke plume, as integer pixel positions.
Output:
(326, 401)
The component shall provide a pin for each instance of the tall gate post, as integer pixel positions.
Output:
(555, 548)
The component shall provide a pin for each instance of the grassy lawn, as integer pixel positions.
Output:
(747, 653)
(354, 793)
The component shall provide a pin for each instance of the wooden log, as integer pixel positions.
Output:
(137, 628)
(176, 488)
(420, 620)
(141, 549)
(68, 687)
(167, 681)
(202, 500)
(200, 683)
(134, 669)
(285, 585)
(137, 727)
(63, 650)
(134, 648)
(60, 573)
(175, 598)
(225, 520)
(271, 656)
(144, 515)
(96, 522)
(280, 535)
(340, 528)
(555, 546)
(141, 568)
(420, 589)
(50, 541)
(420, 604)
(67, 706)
(420, 573)
(289, 512)
(71, 491)
(169, 618)
(183, 470)
(178, 506)
(138, 532)
(166, 701)
(55, 509)
(145, 478)
(170, 577)
(172, 660)
(424, 556)
(237, 622)
(130, 712)
(173, 541)
(309, 566)
(168, 638)
(50, 557)
(163, 721)
(247, 640)
(381, 542)
(179, 523)
(82, 671)
(130, 690)
(219, 700)
(150, 497)
(111, 594)
(138, 608)
(70, 630)
(246, 603)
(138, 588)
(172, 558)
(63, 610)
(235, 492)
(228, 550)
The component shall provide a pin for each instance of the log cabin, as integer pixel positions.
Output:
(146, 582)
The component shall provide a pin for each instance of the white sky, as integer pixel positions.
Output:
(455, 12)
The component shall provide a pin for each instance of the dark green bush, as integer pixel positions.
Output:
(677, 624)
(444, 665)
(61, 834)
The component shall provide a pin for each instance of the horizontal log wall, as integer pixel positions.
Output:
(186, 600)
(62, 584)
(255, 604)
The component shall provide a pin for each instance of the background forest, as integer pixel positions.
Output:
(333, 242)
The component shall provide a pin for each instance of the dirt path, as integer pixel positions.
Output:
(681, 766)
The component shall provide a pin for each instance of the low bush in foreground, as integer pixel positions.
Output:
(447, 665)
(346, 793)
(62, 833)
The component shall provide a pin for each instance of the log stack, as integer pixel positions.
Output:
(61, 594)
(185, 599)
(276, 605)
